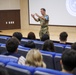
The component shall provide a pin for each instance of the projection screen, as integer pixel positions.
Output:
(61, 12)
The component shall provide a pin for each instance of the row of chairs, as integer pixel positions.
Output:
(15, 69)
(58, 47)
(51, 59)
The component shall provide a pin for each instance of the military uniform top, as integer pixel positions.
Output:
(44, 23)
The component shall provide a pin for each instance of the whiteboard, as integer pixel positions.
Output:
(61, 12)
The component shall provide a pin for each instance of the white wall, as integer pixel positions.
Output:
(9, 4)
(56, 9)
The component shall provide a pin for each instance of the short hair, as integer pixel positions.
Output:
(45, 37)
(18, 35)
(48, 46)
(43, 9)
(63, 36)
(69, 59)
(30, 44)
(3, 71)
(31, 36)
(73, 46)
(12, 45)
(34, 58)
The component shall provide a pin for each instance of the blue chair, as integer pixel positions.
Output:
(68, 47)
(48, 58)
(8, 58)
(57, 61)
(3, 48)
(59, 47)
(3, 39)
(44, 71)
(24, 41)
(23, 52)
(37, 43)
(22, 47)
(3, 62)
(47, 52)
(16, 69)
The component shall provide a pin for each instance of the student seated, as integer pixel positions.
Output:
(30, 44)
(48, 46)
(33, 58)
(45, 37)
(31, 36)
(63, 37)
(73, 46)
(68, 61)
(18, 35)
(11, 46)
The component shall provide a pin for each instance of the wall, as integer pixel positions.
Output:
(9, 14)
(9, 4)
(25, 21)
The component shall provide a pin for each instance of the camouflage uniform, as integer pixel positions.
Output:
(44, 26)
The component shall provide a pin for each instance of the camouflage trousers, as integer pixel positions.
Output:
(43, 31)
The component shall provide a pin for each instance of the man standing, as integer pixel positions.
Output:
(44, 20)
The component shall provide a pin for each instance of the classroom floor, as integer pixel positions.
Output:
(53, 35)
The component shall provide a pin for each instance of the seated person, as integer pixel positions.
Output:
(68, 61)
(45, 37)
(73, 46)
(30, 44)
(11, 46)
(33, 58)
(48, 46)
(31, 36)
(63, 37)
(18, 35)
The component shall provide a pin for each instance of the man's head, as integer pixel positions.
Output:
(63, 37)
(12, 45)
(43, 11)
(18, 35)
(45, 37)
(73, 46)
(31, 35)
(68, 61)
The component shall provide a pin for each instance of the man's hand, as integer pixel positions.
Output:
(32, 15)
(37, 15)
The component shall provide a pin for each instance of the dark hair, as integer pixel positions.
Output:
(12, 45)
(18, 35)
(3, 71)
(63, 36)
(48, 46)
(45, 37)
(69, 59)
(30, 44)
(73, 46)
(43, 9)
(31, 36)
